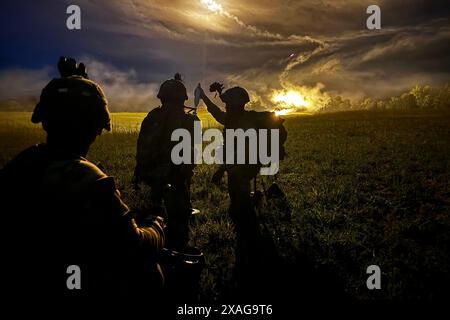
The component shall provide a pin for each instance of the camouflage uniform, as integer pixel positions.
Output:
(170, 183)
(62, 210)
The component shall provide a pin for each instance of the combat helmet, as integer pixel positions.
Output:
(72, 101)
(235, 96)
(173, 89)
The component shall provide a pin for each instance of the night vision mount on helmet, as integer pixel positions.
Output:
(72, 99)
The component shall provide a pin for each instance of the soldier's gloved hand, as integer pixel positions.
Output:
(160, 221)
(150, 220)
(216, 87)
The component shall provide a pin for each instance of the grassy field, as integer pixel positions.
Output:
(365, 188)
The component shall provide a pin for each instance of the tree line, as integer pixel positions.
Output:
(419, 97)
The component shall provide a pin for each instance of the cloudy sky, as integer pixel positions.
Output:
(315, 47)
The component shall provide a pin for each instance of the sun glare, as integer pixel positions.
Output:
(212, 5)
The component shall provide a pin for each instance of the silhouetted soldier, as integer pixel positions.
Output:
(62, 210)
(170, 183)
(249, 253)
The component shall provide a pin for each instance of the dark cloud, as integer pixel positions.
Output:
(318, 47)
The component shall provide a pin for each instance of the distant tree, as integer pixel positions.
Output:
(369, 104)
(432, 98)
(381, 105)
(422, 94)
(442, 97)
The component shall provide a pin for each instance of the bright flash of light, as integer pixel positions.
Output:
(212, 5)
(289, 99)
(283, 112)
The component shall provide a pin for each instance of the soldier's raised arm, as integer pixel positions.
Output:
(215, 111)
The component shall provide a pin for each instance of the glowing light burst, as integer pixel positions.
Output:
(290, 98)
(212, 6)
(283, 112)
(289, 101)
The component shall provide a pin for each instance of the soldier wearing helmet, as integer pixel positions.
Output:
(169, 183)
(241, 210)
(73, 111)
(68, 210)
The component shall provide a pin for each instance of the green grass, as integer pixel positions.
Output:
(365, 187)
